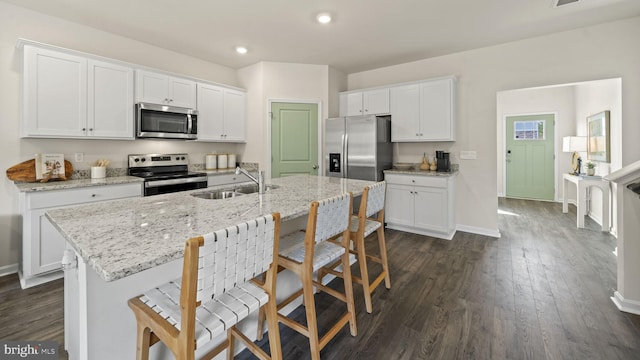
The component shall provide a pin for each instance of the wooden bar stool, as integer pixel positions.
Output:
(214, 293)
(370, 219)
(306, 252)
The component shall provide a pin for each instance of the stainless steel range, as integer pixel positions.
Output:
(165, 173)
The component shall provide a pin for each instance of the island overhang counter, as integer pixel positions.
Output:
(125, 247)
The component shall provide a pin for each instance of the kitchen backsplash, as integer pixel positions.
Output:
(86, 173)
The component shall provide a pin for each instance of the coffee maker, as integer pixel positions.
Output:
(443, 162)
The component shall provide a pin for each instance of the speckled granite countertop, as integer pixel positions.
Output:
(71, 184)
(122, 237)
(420, 172)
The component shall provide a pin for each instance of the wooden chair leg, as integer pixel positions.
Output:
(310, 309)
(143, 342)
(231, 341)
(364, 273)
(348, 290)
(383, 255)
(271, 314)
(261, 318)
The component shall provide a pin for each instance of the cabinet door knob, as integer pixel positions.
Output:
(90, 129)
(93, 195)
(417, 134)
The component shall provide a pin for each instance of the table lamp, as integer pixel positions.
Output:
(575, 144)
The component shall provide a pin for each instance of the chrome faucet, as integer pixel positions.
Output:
(259, 180)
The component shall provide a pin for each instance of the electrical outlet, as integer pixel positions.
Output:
(79, 157)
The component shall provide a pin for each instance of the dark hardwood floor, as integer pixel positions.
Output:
(540, 291)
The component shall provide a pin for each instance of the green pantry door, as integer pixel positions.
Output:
(529, 157)
(294, 139)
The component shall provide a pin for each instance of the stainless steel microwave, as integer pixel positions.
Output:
(166, 122)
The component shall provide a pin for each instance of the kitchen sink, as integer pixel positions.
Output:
(217, 195)
(250, 189)
(228, 194)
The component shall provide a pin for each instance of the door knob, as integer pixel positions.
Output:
(315, 167)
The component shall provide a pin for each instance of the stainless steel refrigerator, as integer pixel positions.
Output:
(358, 147)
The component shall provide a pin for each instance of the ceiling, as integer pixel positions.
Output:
(365, 34)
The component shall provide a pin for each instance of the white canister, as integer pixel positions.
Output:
(98, 172)
(232, 161)
(211, 161)
(222, 161)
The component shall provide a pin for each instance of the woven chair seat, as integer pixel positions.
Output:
(324, 253)
(215, 316)
(369, 226)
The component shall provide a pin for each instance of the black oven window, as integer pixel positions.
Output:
(157, 121)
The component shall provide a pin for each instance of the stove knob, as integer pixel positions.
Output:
(177, 158)
(182, 158)
(143, 159)
(136, 159)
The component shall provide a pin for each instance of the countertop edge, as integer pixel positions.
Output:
(421, 172)
(74, 184)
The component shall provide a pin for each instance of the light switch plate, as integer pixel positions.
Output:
(79, 157)
(468, 155)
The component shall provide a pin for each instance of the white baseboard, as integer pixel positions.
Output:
(626, 305)
(8, 269)
(478, 230)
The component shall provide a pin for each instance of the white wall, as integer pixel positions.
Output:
(604, 51)
(16, 22)
(278, 82)
(592, 98)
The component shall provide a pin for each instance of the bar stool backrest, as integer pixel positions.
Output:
(375, 197)
(233, 256)
(333, 216)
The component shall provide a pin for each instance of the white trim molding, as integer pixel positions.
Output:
(629, 306)
(478, 230)
(8, 269)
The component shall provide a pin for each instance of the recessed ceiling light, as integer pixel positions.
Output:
(324, 18)
(241, 50)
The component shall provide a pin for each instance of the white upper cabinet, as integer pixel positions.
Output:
(405, 113)
(69, 96)
(423, 111)
(367, 102)
(157, 88)
(221, 114)
(54, 102)
(110, 102)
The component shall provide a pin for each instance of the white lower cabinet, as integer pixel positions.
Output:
(42, 244)
(421, 204)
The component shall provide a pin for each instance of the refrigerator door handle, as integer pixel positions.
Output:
(345, 162)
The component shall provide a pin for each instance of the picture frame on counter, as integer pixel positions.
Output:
(50, 166)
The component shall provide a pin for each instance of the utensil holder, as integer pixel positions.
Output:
(98, 172)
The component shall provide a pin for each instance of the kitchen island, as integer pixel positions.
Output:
(125, 247)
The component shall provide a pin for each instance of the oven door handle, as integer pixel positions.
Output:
(156, 183)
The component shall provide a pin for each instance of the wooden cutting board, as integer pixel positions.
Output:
(26, 171)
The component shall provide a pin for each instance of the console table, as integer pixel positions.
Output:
(582, 184)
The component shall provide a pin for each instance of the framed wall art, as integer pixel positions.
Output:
(598, 140)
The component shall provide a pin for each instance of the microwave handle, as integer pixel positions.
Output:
(189, 124)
